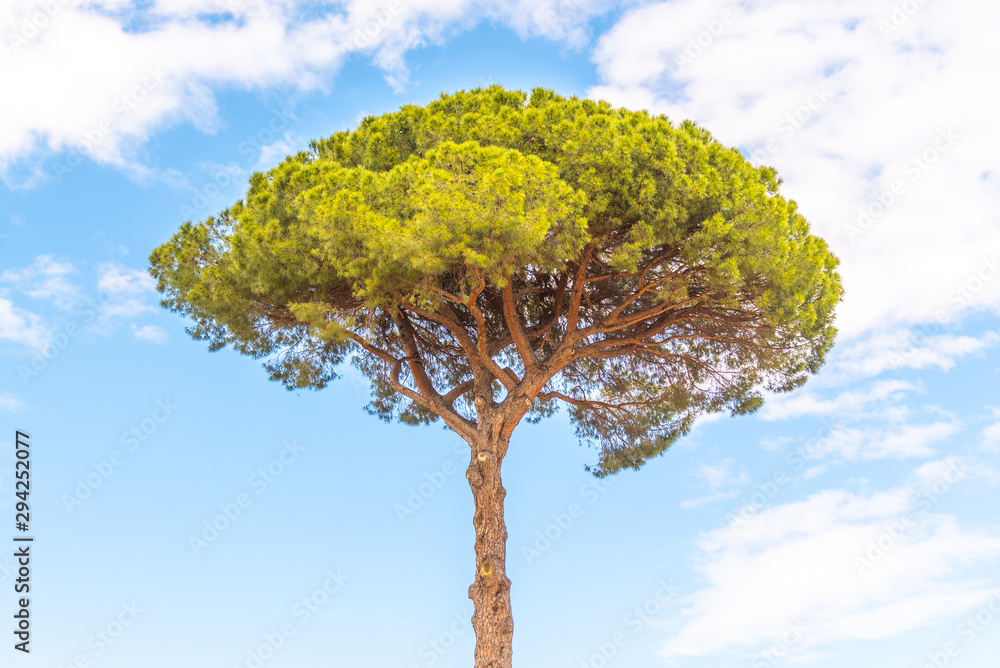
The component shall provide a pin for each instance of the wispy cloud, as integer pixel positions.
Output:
(722, 481)
(852, 403)
(837, 120)
(991, 437)
(797, 563)
(908, 349)
(103, 104)
(46, 278)
(20, 326)
(127, 290)
(11, 403)
(150, 333)
(868, 443)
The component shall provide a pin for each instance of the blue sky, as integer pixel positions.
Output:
(851, 522)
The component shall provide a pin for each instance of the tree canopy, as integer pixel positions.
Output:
(512, 252)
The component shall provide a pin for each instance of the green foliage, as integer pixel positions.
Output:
(485, 208)
(392, 245)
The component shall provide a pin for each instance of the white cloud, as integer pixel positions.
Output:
(991, 437)
(935, 478)
(45, 278)
(123, 291)
(878, 443)
(799, 563)
(151, 333)
(11, 403)
(125, 308)
(720, 479)
(708, 498)
(785, 407)
(721, 475)
(845, 109)
(902, 349)
(814, 471)
(108, 87)
(118, 279)
(273, 153)
(19, 326)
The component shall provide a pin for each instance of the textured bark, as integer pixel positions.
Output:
(490, 593)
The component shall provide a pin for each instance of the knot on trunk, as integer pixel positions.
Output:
(490, 576)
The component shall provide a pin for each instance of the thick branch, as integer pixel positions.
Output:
(433, 402)
(579, 284)
(408, 338)
(514, 326)
(482, 345)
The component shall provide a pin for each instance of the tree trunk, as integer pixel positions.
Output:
(490, 593)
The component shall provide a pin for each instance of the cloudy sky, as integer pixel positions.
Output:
(852, 522)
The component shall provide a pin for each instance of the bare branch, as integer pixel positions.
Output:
(482, 344)
(579, 284)
(514, 326)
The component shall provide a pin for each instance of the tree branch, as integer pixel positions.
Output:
(578, 287)
(482, 345)
(514, 326)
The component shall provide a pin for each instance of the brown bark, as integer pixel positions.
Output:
(490, 593)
